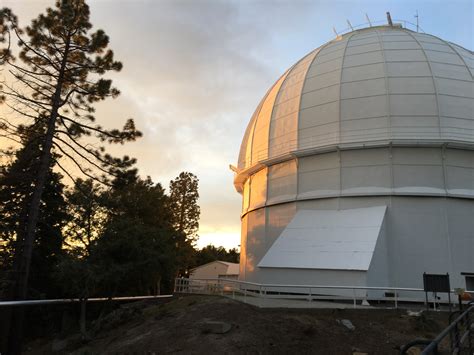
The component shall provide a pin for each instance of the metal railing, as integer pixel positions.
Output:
(73, 300)
(460, 333)
(261, 294)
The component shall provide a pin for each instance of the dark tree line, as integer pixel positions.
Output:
(76, 221)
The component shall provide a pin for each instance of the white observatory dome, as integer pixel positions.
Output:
(357, 167)
(369, 86)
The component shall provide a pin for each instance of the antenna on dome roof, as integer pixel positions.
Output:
(416, 16)
(389, 19)
(352, 28)
(335, 32)
(368, 20)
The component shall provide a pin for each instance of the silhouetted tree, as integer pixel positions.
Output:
(183, 204)
(212, 253)
(137, 246)
(54, 85)
(88, 216)
(15, 196)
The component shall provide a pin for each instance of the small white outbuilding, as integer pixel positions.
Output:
(215, 269)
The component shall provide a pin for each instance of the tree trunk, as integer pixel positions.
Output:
(27, 235)
(82, 320)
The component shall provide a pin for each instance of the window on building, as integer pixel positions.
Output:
(470, 283)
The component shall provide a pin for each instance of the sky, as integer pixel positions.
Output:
(195, 70)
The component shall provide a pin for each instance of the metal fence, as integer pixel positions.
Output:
(460, 333)
(74, 300)
(263, 294)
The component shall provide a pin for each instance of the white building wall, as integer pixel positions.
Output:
(424, 231)
(209, 271)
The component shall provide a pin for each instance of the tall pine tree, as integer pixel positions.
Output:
(55, 85)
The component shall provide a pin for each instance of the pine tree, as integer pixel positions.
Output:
(55, 85)
(15, 196)
(88, 217)
(183, 204)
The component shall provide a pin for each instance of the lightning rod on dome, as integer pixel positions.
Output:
(335, 32)
(352, 28)
(368, 20)
(416, 16)
(389, 19)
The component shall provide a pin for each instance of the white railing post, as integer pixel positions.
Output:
(310, 295)
(396, 299)
(354, 293)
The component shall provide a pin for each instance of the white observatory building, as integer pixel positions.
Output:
(357, 167)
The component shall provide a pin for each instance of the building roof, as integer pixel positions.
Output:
(232, 268)
(337, 240)
(378, 84)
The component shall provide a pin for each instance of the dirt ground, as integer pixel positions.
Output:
(178, 327)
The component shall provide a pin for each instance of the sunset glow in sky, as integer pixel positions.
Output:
(195, 70)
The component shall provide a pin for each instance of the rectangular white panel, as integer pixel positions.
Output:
(282, 181)
(324, 68)
(404, 55)
(460, 178)
(363, 41)
(321, 96)
(365, 157)
(321, 81)
(459, 107)
(361, 179)
(418, 85)
(401, 45)
(363, 72)
(429, 178)
(338, 240)
(408, 69)
(363, 59)
(258, 188)
(283, 108)
(413, 105)
(318, 135)
(416, 156)
(328, 55)
(427, 38)
(318, 174)
(372, 106)
(410, 122)
(443, 57)
(455, 87)
(396, 38)
(451, 71)
(318, 115)
(363, 48)
(363, 88)
(436, 47)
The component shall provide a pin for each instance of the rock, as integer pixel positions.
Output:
(414, 314)
(414, 351)
(346, 323)
(59, 345)
(215, 327)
